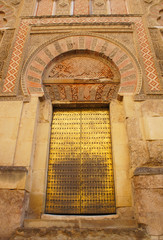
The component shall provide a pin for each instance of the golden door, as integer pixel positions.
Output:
(80, 172)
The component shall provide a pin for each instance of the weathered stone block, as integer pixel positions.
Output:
(153, 128)
(43, 132)
(39, 181)
(36, 204)
(9, 125)
(133, 129)
(126, 212)
(13, 205)
(138, 153)
(12, 179)
(121, 159)
(148, 182)
(117, 112)
(129, 106)
(148, 201)
(120, 135)
(13, 109)
(41, 156)
(152, 108)
(155, 152)
(80, 234)
(26, 137)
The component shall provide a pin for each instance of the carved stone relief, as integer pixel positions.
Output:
(155, 17)
(15, 2)
(62, 7)
(80, 67)
(160, 18)
(148, 1)
(7, 17)
(3, 20)
(81, 77)
(99, 7)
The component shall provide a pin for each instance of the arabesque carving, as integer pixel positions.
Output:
(7, 16)
(156, 14)
(80, 67)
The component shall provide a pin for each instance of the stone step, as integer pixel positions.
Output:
(81, 222)
(79, 234)
(51, 227)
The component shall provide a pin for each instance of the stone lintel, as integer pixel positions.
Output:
(148, 171)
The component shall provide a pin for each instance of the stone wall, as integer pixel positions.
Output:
(134, 44)
(17, 130)
(144, 126)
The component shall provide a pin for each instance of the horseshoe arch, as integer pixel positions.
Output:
(126, 63)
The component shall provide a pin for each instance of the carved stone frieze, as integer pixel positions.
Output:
(82, 92)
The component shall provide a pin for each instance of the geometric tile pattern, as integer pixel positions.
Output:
(148, 61)
(15, 59)
(150, 69)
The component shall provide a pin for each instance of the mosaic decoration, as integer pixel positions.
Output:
(148, 61)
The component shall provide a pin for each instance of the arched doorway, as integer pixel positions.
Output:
(80, 169)
(40, 78)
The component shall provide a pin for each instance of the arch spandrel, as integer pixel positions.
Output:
(128, 67)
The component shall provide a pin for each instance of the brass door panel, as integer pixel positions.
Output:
(80, 174)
